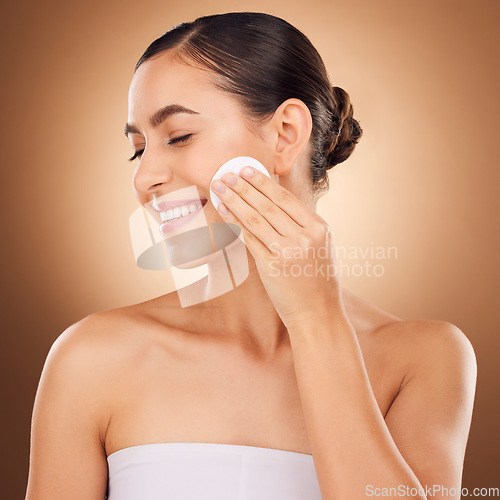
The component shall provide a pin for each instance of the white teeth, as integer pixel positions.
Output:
(169, 214)
(177, 212)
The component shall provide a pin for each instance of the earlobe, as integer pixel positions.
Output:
(293, 124)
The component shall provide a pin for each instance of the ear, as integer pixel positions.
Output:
(292, 124)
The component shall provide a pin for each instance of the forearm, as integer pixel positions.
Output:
(350, 442)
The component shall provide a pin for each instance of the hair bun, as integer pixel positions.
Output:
(346, 130)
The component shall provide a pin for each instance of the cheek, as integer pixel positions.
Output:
(208, 156)
(201, 171)
(199, 174)
(201, 166)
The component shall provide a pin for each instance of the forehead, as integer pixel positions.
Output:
(163, 80)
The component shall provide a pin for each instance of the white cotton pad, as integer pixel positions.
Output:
(235, 165)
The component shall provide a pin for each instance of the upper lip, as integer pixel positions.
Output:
(163, 206)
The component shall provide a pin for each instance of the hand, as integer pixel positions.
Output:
(292, 245)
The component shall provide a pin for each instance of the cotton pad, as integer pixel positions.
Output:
(235, 165)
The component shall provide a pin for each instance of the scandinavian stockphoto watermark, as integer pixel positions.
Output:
(429, 491)
(350, 261)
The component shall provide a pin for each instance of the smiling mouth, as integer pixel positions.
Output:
(177, 209)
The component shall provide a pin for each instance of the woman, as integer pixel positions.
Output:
(288, 386)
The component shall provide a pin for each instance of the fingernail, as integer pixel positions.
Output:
(218, 186)
(230, 179)
(247, 172)
(222, 209)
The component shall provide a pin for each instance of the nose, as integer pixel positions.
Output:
(151, 177)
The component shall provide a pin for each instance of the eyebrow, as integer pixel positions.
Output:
(160, 116)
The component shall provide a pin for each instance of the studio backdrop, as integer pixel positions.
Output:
(417, 203)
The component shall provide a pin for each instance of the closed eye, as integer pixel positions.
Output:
(136, 154)
(180, 139)
(172, 141)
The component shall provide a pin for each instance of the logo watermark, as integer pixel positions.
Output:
(429, 491)
(350, 261)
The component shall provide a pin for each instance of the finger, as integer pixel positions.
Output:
(274, 215)
(255, 245)
(283, 198)
(247, 216)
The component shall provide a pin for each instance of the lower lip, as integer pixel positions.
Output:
(172, 225)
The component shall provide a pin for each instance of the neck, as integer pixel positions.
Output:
(244, 316)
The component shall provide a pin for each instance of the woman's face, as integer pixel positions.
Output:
(216, 131)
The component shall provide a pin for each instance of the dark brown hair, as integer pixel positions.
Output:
(264, 60)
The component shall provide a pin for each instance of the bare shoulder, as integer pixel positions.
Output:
(413, 345)
(433, 367)
(96, 335)
(436, 348)
(73, 404)
(430, 417)
(97, 350)
(106, 340)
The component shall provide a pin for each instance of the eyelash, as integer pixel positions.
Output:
(172, 141)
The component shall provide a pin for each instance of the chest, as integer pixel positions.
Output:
(220, 398)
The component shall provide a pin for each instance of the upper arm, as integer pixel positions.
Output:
(67, 457)
(430, 418)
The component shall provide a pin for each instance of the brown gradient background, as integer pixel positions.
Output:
(424, 80)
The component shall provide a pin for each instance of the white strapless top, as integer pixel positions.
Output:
(210, 471)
